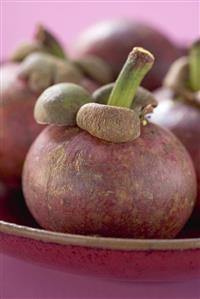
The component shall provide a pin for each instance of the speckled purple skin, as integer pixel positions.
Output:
(76, 183)
(184, 121)
(113, 41)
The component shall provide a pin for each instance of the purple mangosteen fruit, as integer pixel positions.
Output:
(103, 169)
(113, 40)
(179, 106)
(32, 68)
(18, 96)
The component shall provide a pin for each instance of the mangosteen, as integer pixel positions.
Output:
(179, 106)
(90, 71)
(103, 169)
(18, 96)
(33, 68)
(113, 40)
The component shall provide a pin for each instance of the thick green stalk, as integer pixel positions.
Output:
(194, 66)
(138, 63)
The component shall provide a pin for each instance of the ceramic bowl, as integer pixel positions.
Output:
(124, 259)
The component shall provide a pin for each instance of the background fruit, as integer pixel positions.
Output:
(113, 40)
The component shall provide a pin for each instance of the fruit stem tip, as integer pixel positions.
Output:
(138, 64)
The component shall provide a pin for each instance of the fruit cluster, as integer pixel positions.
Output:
(101, 166)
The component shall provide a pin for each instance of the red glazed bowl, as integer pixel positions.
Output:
(124, 259)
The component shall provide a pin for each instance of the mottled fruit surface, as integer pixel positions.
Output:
(113, 40)
(74, 182)
(184, 121)
(18, 128)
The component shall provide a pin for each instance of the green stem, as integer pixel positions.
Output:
(138, 63)
(47, 40)
(194, 66)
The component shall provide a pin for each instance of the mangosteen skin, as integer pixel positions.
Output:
(18, 128)
(76, 183)
(113, 41)
(184, 121)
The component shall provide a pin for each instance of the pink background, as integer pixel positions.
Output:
(179, 19)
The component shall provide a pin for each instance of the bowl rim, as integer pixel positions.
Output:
(98, 242)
